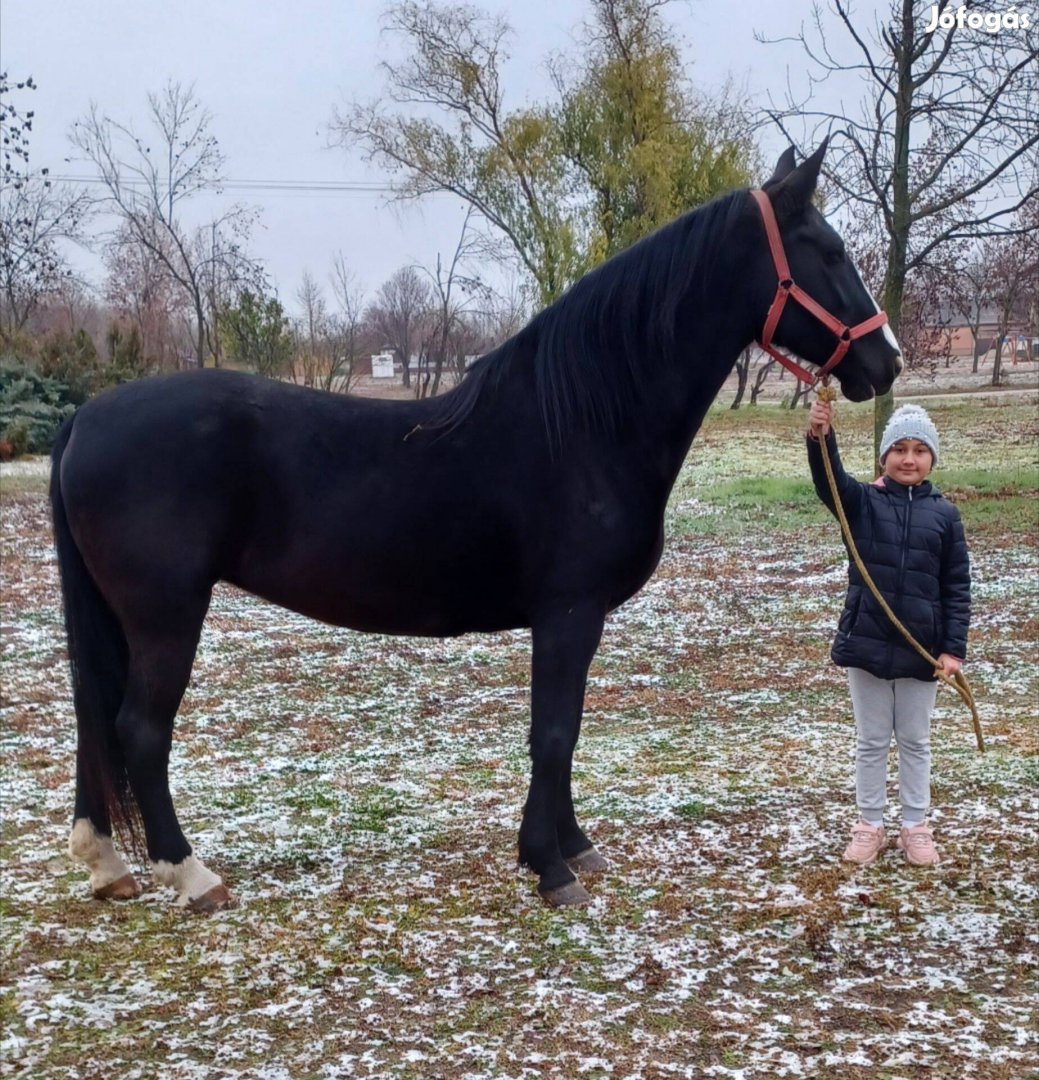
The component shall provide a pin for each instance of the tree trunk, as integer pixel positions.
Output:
(800, 394)
(759, 381)
(997, 361)
(742, 373)
(216, 347)
(200, 338)
(884, 404)
(895, 276)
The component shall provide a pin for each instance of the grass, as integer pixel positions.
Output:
(1003, 498)
(747, 471)
(733, 507)
(27, 484)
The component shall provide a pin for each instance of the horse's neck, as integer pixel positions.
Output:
(676, 400)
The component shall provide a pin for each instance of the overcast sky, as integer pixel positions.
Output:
(271, 73)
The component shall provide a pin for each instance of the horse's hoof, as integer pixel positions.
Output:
(124, 888)
(216, 899)
(573, 894)
(588, 861)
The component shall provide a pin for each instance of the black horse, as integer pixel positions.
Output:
(534, 493)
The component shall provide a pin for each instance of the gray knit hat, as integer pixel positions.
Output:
(909, 422)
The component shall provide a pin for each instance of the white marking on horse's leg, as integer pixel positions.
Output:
(191, 878)
(889, 334)
(87, 845)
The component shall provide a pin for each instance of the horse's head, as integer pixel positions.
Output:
(826, 288)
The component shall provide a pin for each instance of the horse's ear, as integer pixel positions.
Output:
(784, 167)
(792, 195)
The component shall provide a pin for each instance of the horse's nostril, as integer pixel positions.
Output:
(899, 364)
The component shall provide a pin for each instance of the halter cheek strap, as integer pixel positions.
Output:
(788, 290)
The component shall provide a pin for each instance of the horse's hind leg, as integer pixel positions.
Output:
(160, 665)
(91, 839)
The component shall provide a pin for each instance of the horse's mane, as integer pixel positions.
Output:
(588, 346)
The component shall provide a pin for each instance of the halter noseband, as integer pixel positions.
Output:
(788, 290)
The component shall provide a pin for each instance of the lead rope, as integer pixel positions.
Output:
(959, 681)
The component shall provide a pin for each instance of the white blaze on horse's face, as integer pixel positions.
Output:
(889, 335)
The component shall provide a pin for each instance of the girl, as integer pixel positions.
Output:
(911, 540)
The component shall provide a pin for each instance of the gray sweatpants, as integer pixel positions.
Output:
(886, 707)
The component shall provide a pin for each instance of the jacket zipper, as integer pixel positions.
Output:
(905, 540)
(901, 568)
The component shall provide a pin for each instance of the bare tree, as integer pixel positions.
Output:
(1014, 281)
(971, 289)
(309, 355)
(77, 303)
(800, 395)
(224, 271)
(400, 306)
(742, 374)
(505, 312)
(759, 379)
(140, 289)
(446, 324)
(943, 145)
(345, 327)
(36, 215)
(148, 191)
(328, 342)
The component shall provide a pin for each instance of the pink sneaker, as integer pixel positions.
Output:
(866, 844)
(917, 844)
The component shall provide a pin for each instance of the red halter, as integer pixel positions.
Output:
(788, 290)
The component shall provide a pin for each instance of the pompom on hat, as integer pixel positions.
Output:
(909, 422)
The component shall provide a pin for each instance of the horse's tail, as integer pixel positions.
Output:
(98, 658)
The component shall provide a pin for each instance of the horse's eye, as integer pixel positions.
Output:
(834, 257)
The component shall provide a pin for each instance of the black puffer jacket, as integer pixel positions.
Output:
(911, 540)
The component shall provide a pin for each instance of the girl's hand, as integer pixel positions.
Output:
(820, 418)
(948, 665)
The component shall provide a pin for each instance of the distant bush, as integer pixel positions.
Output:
(72, 360)
(44, 381)
(32, 408)
(126, 359)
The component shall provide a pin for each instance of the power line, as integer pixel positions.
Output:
(272, 187)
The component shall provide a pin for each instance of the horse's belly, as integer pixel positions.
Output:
(392, 590)
(415, 615)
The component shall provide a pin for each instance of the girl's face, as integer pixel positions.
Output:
(908, 461)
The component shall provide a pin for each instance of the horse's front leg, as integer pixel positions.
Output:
(563, 646)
